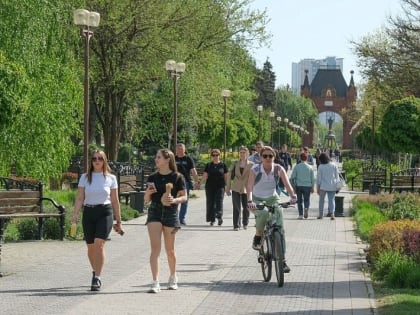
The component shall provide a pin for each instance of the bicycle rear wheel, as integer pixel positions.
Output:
(278, 258)
(266, 258)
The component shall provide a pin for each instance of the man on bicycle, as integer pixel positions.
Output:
(262, 187)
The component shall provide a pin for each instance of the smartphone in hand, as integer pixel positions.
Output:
(151, 185)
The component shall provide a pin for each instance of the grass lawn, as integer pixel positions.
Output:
(397, 301)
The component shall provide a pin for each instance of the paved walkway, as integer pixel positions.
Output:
(217, 269)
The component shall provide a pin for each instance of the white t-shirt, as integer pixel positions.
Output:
(266, 186)
(99, 191)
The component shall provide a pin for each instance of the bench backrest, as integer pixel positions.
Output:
(406, 177)
(19, 196)
(127, 182)
(374, 172)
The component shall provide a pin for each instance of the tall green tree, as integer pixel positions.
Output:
(36, 37)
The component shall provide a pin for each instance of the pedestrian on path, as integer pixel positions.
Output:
(256, 157)
(186, 167)
(237, 181)
(97, 194)
(215, 176)
(166, 189)
(262, 187)
(303, 179)
(326, 180)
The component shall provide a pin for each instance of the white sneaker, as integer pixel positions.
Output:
(300, 217)
(173, 282)
(155, 288)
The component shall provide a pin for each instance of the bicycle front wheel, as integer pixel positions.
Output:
(266, 258)
(278, 256)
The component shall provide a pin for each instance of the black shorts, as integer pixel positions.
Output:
(97, 222)
(165, 215)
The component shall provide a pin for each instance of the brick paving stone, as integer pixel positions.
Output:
(217, 269)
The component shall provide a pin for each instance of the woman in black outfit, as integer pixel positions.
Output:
(215, 176)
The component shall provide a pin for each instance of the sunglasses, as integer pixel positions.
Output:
(215, 154)
(267, 156)
(97, 158)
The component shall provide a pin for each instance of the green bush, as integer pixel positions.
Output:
(387, 236)
(367, 216)
(405, 206)
(413, 277)
(51, 229)
(27, 228)
(384, 264)
(397, 277)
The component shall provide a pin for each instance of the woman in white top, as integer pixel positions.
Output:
(97, 193)
(262, 187)
(326, 180)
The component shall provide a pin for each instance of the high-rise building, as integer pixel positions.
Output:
(312, 65)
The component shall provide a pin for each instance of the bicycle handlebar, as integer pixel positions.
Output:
(271, 208)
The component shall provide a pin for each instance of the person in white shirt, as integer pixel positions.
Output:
(97, 194)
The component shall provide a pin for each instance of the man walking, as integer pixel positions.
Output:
(186, 167)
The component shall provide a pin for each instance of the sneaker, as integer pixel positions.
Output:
(173, 283)
(96, 284)
(236, 229)
(155, 287)
(183, 223)
(328, 215)
(286, 268)
(332, 217)
(305, 213)
(256, 244)
(245, 227)
(219, 221)
(211, 223)
(300, 217)
(319, 217)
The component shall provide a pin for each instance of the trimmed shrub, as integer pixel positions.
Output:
(411, 244)
(27, 228)
(387, 236)
(367, 217)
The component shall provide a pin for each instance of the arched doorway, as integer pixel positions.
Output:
(330, 93)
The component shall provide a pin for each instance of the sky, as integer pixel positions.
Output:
(304, 29)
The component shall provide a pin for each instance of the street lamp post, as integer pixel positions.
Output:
(272, 115)
(373, 132)
(86, 20)
(279, 125)
(259, 109)
(286, 120)
(225, 95)
(175, 70)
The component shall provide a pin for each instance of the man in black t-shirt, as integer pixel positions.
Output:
(186, 167)
(285, 157)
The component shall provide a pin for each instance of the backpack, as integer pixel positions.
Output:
(279, 182)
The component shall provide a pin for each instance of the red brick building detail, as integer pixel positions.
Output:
(329, 92)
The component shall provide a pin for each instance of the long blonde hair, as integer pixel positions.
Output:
(105, 166)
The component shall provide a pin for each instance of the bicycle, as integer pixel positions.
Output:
(272, 248)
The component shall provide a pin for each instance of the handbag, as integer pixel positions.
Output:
(340, 183)
(232, 174)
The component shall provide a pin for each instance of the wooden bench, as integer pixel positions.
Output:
(371, 174)
(405, 180)
(22, 199)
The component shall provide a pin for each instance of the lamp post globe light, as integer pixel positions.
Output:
(259, 109)
(279, 123)
(225, 95)
(87, 21)
(175, 70)
(272, 115)
(286, 120)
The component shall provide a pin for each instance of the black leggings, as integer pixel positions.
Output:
(97, 222)
(214, 203)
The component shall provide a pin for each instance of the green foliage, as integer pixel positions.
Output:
(367, 217)
(397, 276)
(402, 118)
(384, 263)
(51, 229)
(387, 236)
(405, 206)
(27, 228)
